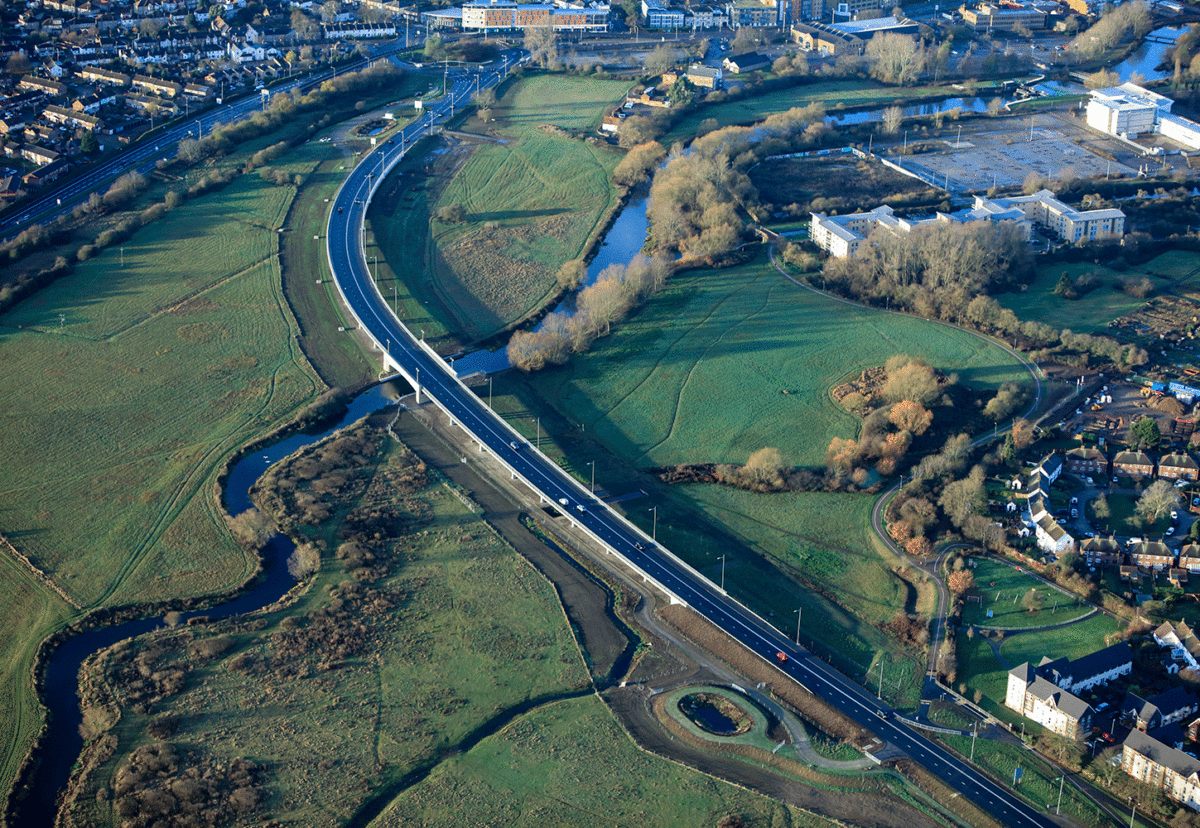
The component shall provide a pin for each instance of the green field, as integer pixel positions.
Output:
(699, 374)
(127, 384)
(568, 764)
(1091, 313)
(1002, 589)
(1174, 265)
(532, 195)
(446, 630)
(1124, 520)
(831, 93)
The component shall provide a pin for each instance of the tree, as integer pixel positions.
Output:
(963, 498)
(1144, 434)
(1008, 453)
(571, 274)
(662, 58)
(638, 162)
(960, 581)
(764, 468)
(330, 10)
(1159, 498)
(304, 27)
(895, 58)
(1032, 600)
(911, 416)
(635, 130)
(542, 45)
(454, 213)
(1008, 399)
(88, 143)
(18, 64)
(683, 92)
(434, 48)
(893, 116)
(910, 380)
(1100, 508)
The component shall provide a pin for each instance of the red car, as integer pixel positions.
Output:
(781, 657)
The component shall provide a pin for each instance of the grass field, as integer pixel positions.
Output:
(699, 374)
(1091, 313)
(568, 764)
(126, 385)
(1002, 589)
(1174, 265)
(746, 110)
(1125, 521)
(532, 198)
(451, 629)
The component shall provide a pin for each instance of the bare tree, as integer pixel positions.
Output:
(1159, 498)
(542, 45)
(893, 116)
(895, 58)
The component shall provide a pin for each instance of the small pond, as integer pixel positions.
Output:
(715, 714)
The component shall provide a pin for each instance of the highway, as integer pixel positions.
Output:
(436, 379)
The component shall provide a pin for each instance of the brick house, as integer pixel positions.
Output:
(1102, 551)
(1178, 466)
(1133, 464)
(1154, 555)
(1087, 461)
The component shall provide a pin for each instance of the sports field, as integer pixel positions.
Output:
(1002, 589)
(126, 385)
(725, 362)
(831, 93)
(532, 194)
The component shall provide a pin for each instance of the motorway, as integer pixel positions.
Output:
(420, 364)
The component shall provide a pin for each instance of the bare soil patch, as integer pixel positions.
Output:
(804, 184)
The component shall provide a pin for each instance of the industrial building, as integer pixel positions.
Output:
(1129, 110)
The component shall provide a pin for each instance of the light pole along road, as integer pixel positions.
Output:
(424, 368)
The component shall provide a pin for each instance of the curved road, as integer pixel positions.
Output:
(420, 364)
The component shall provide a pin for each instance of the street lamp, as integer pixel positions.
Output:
(539, 433)
(799, 615)
(722, 573)
(592, 463)
(1061, 779)
(489, 392)
(654, 529)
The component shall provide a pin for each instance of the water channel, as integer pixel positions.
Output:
(62, 743)
(1146, 58)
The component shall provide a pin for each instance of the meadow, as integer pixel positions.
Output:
(1090, 313)
(832, 94)
(442, 631)
(532, 195)
(1002, 589)
(725, 362)
(569, 764)
(127, 384)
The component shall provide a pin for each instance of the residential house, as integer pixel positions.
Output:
(1189, 558)
(1135, 464)
(1178, 577)
(1051, 466)
(1184, 644)
(46, 174)
(71, 118)
(1092, 670)
(38, 155)
(1154, 555)
(1172, 771)
(1178, 466)
(1102, 551)
(1166, 708)
(105, 76)
(1058, 710)
(1087, 461)
(749, 62)
(50, 87)
(155, 86)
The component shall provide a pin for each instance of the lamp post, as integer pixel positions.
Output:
(592, 463)
(489, 392)
(799, 615)
(722, 559)
(974, 733)
(1061, 780)
(654, 528)
(539, 433)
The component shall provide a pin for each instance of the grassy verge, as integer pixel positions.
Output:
(532, 196)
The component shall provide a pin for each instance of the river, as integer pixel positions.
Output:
(62, 743)
(1146, 58)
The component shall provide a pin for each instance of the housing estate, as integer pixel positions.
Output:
(1135, 464)
(1170, 770)
(1047, 693)
(507, 15)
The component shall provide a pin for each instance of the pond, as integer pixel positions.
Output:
(715, 714)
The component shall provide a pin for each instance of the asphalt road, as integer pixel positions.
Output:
(436, 379)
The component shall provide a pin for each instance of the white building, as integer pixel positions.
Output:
(1172, 771)
(1055, 709)
(1127, 110)
(1180, 130)
(1069, 224)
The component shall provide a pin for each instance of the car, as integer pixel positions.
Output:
(1174, 515)
(1115, 478)
(1074, 513)
(579, 507)
(514, 447)
(781, 657)
(1074, 500)
(1170, 530)
(339, 209)
(563, 501)
(392, 141)
(637, 546)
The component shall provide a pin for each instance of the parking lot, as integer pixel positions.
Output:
(1004, 153)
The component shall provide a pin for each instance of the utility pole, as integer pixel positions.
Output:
(879, 690)
(974, 733)
(799, 615)
(539, 433)
(654, 530)
(722, 573)
(1061, 779)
